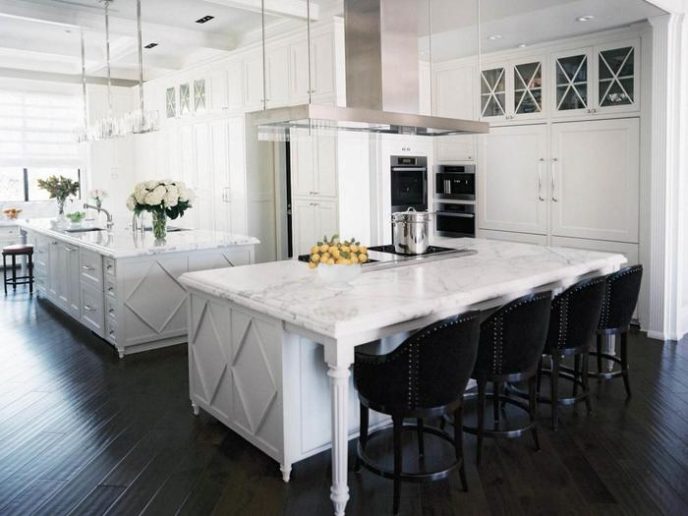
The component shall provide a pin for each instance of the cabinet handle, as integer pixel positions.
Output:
(554, 186)
(111, 311)
(88, 267)
(540, 197)
(69, 249)
(89, 308)
(54, 242)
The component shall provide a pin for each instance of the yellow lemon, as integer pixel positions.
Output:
(315, 258)
(312, 265)
(346, 248)
(315, 249)
(330, 261)
(354, 258)
(354, 248)
(362, 258)
(362, 249)
(324, 257)
(324, 248)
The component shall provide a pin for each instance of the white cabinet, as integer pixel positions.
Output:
(314, 163)
(513, 90)
(277, 64)
(454, 91)
(595, 179)
(69, 273)
(455, 148)
(584, 187)
(312, 221)
(323, 66)
(597, 80)
(512, 183)
(253, 80)
(235, 85)
(92, 308)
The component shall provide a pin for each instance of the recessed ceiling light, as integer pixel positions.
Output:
(151, 45)
(494, 37)
(586, 18)
(205, 19)
(522, 45)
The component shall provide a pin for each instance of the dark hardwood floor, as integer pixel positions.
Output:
(82, 432)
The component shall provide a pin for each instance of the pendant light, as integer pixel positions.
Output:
(82, 131)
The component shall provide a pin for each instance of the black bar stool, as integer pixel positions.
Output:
(13, 251)
(620, 298)
(573, 322)
(511, 343)
(425, 377)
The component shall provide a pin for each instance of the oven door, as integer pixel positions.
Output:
(455, 220)
(409, 188)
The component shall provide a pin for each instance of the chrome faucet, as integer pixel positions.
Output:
(109, 222)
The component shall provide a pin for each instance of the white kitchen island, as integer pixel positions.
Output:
(123, 285)
(263, 339)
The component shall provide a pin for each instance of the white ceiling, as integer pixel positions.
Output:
(43, 35)
(454, 22)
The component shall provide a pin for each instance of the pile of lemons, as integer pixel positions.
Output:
(334, 252)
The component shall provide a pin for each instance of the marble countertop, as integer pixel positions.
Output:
(123, 243)
(290, 291)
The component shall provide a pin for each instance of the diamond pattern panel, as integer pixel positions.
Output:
(210, 360)
(254, 380)
(159, 280)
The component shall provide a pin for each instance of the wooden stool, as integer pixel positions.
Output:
(14, 251)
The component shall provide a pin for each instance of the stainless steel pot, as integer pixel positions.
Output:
(410, 231)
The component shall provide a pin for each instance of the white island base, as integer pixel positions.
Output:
(124, 286)
(265, 339)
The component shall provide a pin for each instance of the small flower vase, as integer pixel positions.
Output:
(159, 225)
(60, 207)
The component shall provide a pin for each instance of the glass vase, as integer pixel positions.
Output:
(159, 225)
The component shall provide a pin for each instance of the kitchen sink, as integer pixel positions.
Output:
(82, 230)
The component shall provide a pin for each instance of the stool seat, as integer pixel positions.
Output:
(17, 249)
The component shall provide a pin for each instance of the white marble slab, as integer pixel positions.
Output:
(123, 243)
(289, 291)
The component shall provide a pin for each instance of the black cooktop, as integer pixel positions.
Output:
(433, 249)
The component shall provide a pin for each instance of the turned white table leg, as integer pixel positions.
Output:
(339, 381)
(286, 471)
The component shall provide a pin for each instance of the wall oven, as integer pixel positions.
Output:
(455, 219)
(455, 182)
(409, 180)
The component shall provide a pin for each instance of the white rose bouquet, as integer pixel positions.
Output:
(163, 198)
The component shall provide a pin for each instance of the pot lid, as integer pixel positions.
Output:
(411, 215)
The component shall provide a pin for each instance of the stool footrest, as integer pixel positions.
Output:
(423, 476)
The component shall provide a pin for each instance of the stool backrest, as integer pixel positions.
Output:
(620, 297)
(512, 339)
(429, 369)
(575, 315)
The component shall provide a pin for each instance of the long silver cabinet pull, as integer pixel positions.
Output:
(554, 186)
(88, 267)
(540, 197)
(88, 308)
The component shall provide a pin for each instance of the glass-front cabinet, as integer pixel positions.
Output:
(594, 80)
(512, 90)
(493, 92)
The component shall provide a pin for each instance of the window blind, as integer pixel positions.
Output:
(37, 129)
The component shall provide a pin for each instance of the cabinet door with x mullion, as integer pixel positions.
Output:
(572, 83)
(527, 100)
(617, 77)
(493, 92)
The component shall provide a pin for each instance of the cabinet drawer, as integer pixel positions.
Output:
(109, 266)
(110, 329)
(110, 287)
(91, 268)
(110, 307)
(9, 232)
(92, 308)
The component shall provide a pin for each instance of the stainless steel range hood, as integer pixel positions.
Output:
(381, 80)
